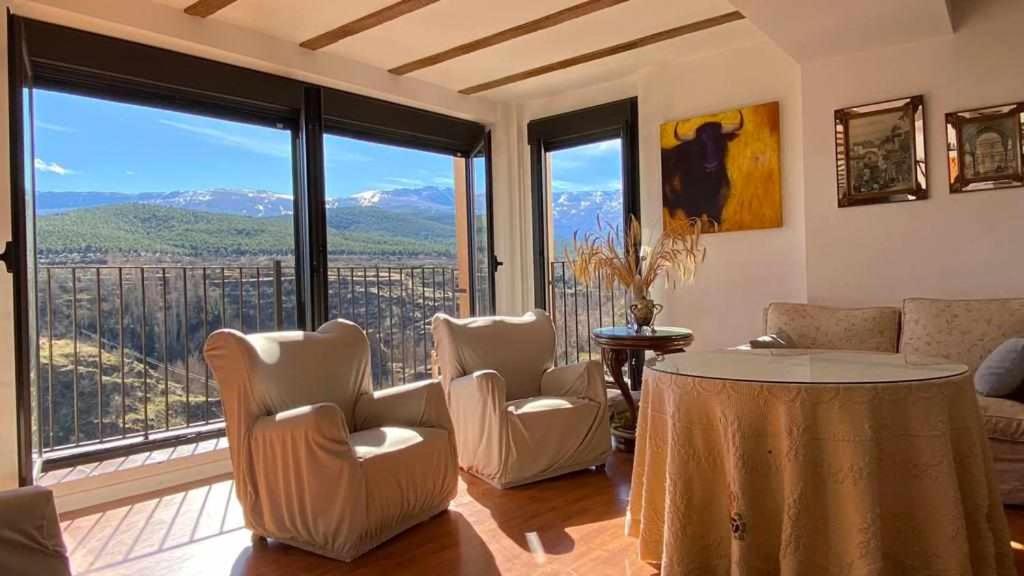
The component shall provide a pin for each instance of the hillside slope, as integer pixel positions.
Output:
(136, 230)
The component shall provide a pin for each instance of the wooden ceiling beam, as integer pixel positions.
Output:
(371, 20)
(536, 25)
(204, 8)
(641, 42)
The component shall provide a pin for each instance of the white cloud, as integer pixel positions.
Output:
(443, 181)
(52, 127)
(51, 167)
(602, 148)
(276, 149)
(570, 186)
(395, 180)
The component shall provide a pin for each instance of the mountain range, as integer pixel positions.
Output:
(572, 210)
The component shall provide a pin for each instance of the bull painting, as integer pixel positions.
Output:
(724, 169)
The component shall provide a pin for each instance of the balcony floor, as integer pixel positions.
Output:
(72, 473)
(570, 525)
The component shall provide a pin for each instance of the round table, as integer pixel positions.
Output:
(621, 343)
(814, 462)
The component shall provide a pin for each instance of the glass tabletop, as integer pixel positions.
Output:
(793, 366)
(627, 332)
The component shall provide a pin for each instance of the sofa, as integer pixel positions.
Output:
(964, 331)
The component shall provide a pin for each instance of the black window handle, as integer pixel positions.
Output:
(8, 256)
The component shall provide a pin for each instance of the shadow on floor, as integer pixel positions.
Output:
(448, 540)
(592, 495)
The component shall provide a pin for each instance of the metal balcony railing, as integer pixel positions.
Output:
(119, 358)
(577, 308)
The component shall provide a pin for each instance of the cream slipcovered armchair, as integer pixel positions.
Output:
(517, 419)
(320, 461)
(30, 537)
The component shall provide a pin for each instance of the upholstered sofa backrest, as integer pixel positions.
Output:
(826, 327)
(519, 348)
(960, 330)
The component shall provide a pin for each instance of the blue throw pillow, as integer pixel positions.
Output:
(1003, 371)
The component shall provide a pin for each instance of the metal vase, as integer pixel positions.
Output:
(643, 311)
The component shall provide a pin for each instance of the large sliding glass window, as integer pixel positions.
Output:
(152, 228)
(163, 196)
(392, 236)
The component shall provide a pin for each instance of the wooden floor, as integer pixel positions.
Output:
(571, 525)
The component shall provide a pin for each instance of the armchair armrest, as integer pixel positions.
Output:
(477, 403)
(483, 390)
(30, 537)
(288, 435)
(420, 404)
(580, 380)
(305, 472)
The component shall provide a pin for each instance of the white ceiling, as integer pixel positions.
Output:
(813, 29)
(452, 22)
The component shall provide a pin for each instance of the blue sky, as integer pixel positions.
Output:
(85, 144)
(595, 166)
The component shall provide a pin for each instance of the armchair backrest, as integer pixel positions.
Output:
(519, 348)
(263, 374)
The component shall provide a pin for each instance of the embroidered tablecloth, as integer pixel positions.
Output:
(744, 477)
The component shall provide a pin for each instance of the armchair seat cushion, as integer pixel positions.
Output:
(410, 472)
(543, 403)
(547, 432)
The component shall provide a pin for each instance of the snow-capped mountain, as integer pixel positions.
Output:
(578, 211)
(429, 198)
(573, 210)
(256, 203)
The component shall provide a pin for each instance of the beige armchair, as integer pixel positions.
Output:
(320, 461)
(30, 537)
(517, 419)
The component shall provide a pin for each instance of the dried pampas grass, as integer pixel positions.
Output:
(608, 256)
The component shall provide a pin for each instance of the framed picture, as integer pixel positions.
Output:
(985, 148)
(880, 152)
(723, 169)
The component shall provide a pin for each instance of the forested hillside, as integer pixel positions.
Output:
(128, 231)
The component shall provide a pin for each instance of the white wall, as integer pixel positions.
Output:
(744, 270)
(949, 246)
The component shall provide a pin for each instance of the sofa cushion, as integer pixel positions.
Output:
(965, 331)
(1002, 372)
(825, 327)
(1004, 418)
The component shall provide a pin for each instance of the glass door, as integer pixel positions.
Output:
(585, 197)
(19, 258)
(481, 229)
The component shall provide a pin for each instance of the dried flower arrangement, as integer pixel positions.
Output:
(625, 260)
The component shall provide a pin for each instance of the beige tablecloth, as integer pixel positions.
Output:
(749, 478)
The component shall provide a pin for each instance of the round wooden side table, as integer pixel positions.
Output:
(618, 344)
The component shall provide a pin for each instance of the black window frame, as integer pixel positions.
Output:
(52, 56)
(618, 119)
